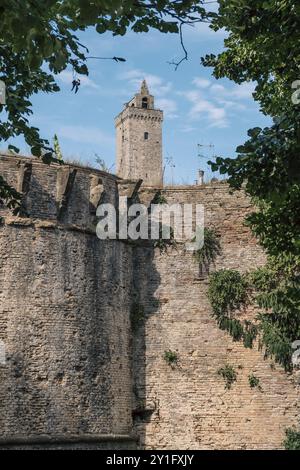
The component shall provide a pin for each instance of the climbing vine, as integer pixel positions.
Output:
(228, 293)
(166, 239)
(273, 290)
(211, 247)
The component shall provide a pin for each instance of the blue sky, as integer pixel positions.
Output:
(198, 109)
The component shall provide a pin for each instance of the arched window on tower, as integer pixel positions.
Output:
(145, 103)
(146, 135)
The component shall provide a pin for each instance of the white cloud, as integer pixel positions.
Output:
(243, 91)
(157, 85)
(216, 88)
(230, 104)
(205, 109)
(202, 29)
(201, 82)
(187, 129)
(89, 135)
(168, 106)
(67, 78)
(214, 102)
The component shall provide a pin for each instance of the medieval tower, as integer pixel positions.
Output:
(139, 140)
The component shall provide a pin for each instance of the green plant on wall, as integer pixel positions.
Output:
(159, 198)
(292, 441)
(254, 382)
(229, 375)
(171, 357)
(228, 293)
(166, 239)
(273, 290)
(56, 147)
(211, 247)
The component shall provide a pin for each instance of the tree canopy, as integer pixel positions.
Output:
(39, 39)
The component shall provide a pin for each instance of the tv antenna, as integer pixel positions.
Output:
(170, 163)
(205, 153)
(203, 146)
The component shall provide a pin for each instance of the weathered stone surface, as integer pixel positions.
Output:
(24, 176)
(193, 410)
(73, 365)
(129, 188)
(64, 319)
(96, 192)
(139, 140)
(64, 185)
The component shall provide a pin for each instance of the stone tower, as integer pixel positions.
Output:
(139, 140)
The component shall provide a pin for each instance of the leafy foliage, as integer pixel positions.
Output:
(273, 289)
(166, 238)
(254, 381)
(229, 375)
(211, 247)
(292, 441)
(159, 198)
(171, 357)
(56, 147)
(38, 40)
(227, 291)
(261, 48)
(101, 162)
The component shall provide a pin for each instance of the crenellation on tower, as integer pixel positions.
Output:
(139, 139)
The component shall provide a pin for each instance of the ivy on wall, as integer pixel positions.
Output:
(208, 253)
(211, 247)
(273, 290)
(166, 239)
(228, 293)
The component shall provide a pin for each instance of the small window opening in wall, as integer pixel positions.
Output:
(146, 135)
(145, 103)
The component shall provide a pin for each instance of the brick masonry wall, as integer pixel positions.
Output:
(187, 407)
(64, 316)
(74, 371)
